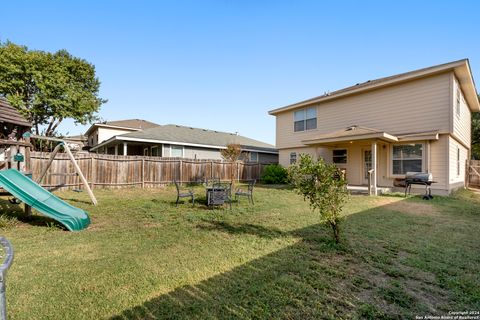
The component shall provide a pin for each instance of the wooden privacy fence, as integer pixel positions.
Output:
(147, 172)
(473, 173)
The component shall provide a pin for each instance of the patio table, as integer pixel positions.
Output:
(216, 195)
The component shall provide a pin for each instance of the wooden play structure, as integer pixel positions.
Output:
(15, 148)
(63, 144)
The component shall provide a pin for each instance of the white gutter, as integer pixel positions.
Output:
(117, 138)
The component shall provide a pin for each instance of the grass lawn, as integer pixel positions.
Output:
(142, 258)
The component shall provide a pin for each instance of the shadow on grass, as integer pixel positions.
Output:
(315, 278)
(76, 200)
(275, 285)
(16, 211)
(236, 229)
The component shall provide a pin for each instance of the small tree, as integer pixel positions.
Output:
(324, 186)
(232, 153)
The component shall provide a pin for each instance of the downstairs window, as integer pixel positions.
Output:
(407, 158)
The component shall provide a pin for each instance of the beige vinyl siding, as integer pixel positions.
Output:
(462, 124)
(106, 133)
(455, 178)
(415, 106)
(284, 155)
(438, 158)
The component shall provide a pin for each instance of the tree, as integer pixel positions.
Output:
(476, 134)
(49, 87)
(232, 153)
(324, 186)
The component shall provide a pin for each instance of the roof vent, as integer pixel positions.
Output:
(351, 128)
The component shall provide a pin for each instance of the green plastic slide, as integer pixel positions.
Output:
(26, 190)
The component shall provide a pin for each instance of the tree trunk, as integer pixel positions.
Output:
(52, 127)
(336, 232)
(56, 125)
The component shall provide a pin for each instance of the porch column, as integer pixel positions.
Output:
(125, 148)
(374, 167)
(116, 149)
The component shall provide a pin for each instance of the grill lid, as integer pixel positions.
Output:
(418, 177)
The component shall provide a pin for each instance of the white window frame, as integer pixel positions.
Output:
(458, 102)
(340, 163)
(304, 111)
(178, 147)
(251, 158)
(145, 150)
(401, 175)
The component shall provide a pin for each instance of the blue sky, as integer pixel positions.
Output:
(223, 64)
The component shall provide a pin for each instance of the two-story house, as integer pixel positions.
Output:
(419, 121)
(103, 131)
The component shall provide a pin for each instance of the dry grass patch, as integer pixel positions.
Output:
(408, 206)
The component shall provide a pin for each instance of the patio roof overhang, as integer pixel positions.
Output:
(356, 133)
(349, 134)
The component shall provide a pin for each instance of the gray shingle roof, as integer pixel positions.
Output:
(371, 83)
(132, 123)
(176, 133)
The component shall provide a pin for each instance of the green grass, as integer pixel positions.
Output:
(142, 258)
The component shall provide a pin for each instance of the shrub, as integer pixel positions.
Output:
(274, 174)
(324, 186)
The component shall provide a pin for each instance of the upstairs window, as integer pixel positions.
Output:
(407, 158)
(305, 119)
(340, 156)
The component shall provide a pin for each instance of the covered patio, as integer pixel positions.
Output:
(368, 157)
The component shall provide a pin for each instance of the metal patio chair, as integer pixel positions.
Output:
(184, 193)
(247, 193)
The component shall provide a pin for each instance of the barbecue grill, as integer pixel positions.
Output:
(420, 178)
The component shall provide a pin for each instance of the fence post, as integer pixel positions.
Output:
(93, 174)
(238, 172)
(181, 176)
(211, 169)
(143, 173)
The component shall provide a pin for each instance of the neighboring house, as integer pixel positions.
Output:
(80, 140)
(180, 141)
(100, 132)
(419, 121)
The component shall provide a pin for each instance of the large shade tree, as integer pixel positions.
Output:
(49, 87)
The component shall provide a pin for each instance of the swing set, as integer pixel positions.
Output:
(62, 144)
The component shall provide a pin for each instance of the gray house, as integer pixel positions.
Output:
(180, 141)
